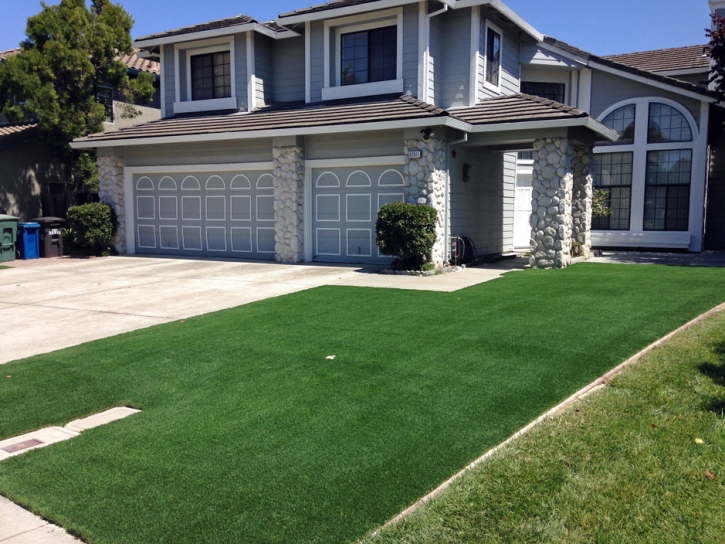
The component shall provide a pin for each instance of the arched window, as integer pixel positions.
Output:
(666, 124)
(623, 121)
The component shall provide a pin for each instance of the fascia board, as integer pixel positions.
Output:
(206, 34)
(586, 122)
(575, 58)
(348, 10)
(647, 81)
(506, 11)
(272, 133)
(683, 72)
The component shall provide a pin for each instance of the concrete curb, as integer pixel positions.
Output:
(599, 383)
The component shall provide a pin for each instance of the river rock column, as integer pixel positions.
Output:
(110, 191)
(551, 217)
(289, 176)
(582, 202)
(425, 183)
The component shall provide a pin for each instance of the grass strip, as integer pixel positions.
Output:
(248, 434)
(642, 461)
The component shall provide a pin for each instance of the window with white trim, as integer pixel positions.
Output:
(665, 144)
(211, 76)
(494, 56)
(369, 55)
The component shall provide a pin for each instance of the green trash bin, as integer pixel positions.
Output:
(8, 236)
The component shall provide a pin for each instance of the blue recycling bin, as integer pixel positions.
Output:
(29, 240)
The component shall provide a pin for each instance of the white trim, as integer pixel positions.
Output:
(177, 77)
(505, 11)
(587, 122)
(369, 196)
(401, 195)
(422, 48)
(402, 178)
(206, 234)
(182, 39)
(183, 238)
(300, 131)
(585, 90)
(317, 207)
(162, 82)
(349, 11)
(370, 181)
(176, 235)
(308, 63)
(153, 228)
(197, 168)
(251, 78)
(683, 72)
(265, 228)
(317, 181)
(248, 198)
(474, 55)
(231, 237)
(215, 104)
(195, 179)
(698, 183)
(347, 243)
(176, 208)
(183, 217)
(256, 209)
(655, 239)
(646, 101)
(231, 183)
(486, 84)
(176, 187)
(339, 242)
(222, 188)
(153, 208)
(363, 89)
(259, 179)
(138, 181)
(206, 207)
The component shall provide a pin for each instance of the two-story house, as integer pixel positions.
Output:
(281, 140)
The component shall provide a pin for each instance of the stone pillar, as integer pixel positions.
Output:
(551, 217)
(425, 183)
(582, 202)
(110, 191)
(289, 176)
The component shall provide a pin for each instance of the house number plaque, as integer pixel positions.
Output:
(417, 154)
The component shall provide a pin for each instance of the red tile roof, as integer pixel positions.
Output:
(134, 62)
(6, 130)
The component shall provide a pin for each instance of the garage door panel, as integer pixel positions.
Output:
(344, 213)
(214, 214)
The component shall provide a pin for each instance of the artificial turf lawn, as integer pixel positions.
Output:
(248, 434)
(625, 465)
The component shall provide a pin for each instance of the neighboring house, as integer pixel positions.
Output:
(33, 182)
(281, 140)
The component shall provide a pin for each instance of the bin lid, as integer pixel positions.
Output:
(45, 220)
(8, 218)
(29, 225)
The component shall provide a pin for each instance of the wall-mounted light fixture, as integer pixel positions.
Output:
(427, 134)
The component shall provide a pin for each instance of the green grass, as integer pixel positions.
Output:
(622, 466)
(4, 267)
(248, 434)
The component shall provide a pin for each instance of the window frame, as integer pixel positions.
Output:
(112, 116)
(490, 26)
(334, 29)
(190, 77)
(608, 189)
(531, 82)
(640, 148)
(348, 32)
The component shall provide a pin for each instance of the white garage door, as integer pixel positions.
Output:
(210, 214)
(344, 210)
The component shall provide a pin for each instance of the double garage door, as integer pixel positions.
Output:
(345, 207)
(212, 214)
(231, 214)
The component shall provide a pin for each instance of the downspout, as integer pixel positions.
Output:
(426, 60)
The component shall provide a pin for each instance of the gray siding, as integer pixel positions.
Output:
(264, 70)
(200, 153)
(317, 60)
(435, 60)
(169, 77)
(289, 70)
(482, 208)
(456, 28)
(509, 199)
(240, 62)
(534, 55)
(184, 92)
(410, 48)
(510, 61)
(360, 144)
(608, 89)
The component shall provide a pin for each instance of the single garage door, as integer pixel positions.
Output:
(212, 214)
(345, 207)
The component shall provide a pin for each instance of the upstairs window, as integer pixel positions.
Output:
(493, 56)
(211, 76)
(623, 121)
(550, 91)
(104, 96)
(369, 56)
(666, 124)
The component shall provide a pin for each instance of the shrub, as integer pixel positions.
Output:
(406, 231)
(92, 226)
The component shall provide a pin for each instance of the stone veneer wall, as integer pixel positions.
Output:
(582, 202)
(551, 216)
(289, 176)
(425, 183)
(110, 191)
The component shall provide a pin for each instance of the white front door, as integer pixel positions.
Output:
(522, 207)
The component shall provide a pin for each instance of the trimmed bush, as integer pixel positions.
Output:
(92, 226)
(408, 232)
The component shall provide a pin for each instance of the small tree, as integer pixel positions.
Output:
(717, 53)
(70, 49)
(600, 204)
(408, 232)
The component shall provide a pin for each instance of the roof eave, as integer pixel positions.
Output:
(205, 34)
(292, 19)
(506, 11)
(586, 122)
(442, 120)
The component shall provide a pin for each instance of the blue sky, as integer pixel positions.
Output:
(601, 27)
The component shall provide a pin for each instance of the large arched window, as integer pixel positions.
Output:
(663, 146)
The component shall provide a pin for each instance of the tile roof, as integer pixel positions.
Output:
(6, 130)
(661, 60)
(324, 7)
(133, 61)
(692, 87)
(211, 25)
(280, 117)
(515, 108)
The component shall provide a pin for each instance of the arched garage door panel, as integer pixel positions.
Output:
(209, 214)
(345, 206)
